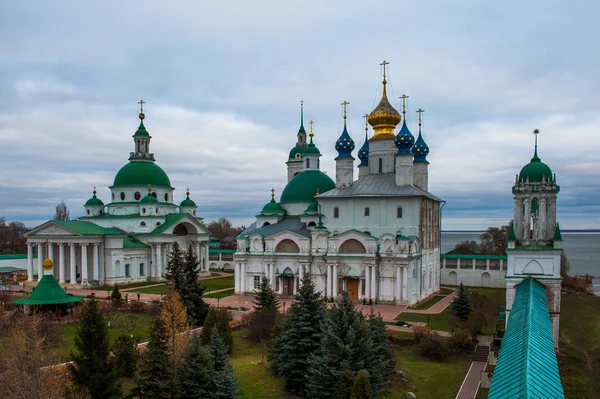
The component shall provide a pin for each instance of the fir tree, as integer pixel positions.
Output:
(91, 368)
(217, 318)
(125, 355)
(380, 362)
(265, 297)
(300, 338)
(461, 306)
(155, 366)
(346, 345)
(195, 376)
(225, 383)
(343, 388)
(115, 297)
(361, 388)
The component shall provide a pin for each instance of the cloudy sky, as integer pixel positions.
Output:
(223, 83)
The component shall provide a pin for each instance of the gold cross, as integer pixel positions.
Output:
(404, 97)
(311, 123)
(345, 105)
(420, 112)
(94, 190)
(384, 63)
(142, 102)
(273, 193)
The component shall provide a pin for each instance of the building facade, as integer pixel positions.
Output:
(377, 237)
(127, 239)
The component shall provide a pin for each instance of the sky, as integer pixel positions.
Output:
(223, 83)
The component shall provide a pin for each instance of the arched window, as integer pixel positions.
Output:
(312, 224)
(113, 196)
(137, 195)
(380, 165)
(399, 212)
(318, 163)
(143, 224)
(157, 211)
(166, 197)
(180, 230)
(367, 211)
(266, 224)
(122, 196)
(144, 211)
(336, 212)
(154, 195)
(307, 163)
(88, 211)
(158, 223)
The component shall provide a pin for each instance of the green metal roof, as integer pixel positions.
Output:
(272, 208)
(303, 187)
(141, 173)
(94, 201)
(149, 199)
(527, 365)
(9, 269)
(468, 256)
(130, 242)
(557, 235)
(86, 228)
(47, 292)
(16, 256)
(141, 131)
(170, 220)
(221, 251)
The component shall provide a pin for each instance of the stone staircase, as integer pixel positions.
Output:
(481, 353)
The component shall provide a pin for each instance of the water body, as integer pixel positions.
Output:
(582, 249)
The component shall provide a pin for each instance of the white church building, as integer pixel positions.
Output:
(376, 237)
(127, 239)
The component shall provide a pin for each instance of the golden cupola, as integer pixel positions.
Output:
(384, 118)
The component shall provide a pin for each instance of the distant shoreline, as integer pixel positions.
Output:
(592, 231)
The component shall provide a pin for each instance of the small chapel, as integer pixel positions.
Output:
(376, 237)
(127, 239)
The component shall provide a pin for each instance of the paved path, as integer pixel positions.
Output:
(410, 330)
(470, 385)
(437, 308)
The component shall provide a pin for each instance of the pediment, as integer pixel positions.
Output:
(51, 229)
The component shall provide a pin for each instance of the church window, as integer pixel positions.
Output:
(256, 282)
(122, 196)
(166, 197)
(137, 195)
(144, 211)
(318, 163)
(113, 196)
(142, 270)
(101, 212)
(127, 270)
(194, 212)
(266, 224)
(157, 211)
(180, 230)
(158, 223)
(399, 212)
(154, 195)
(143, 224)
(367, 211)
(367, 232)
(336, 212)
(88, 211)
(307, 163)
(312, 224)
(380, 165)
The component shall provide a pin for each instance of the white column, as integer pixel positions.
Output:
(272, 275)
(40, 260)
(84, 263)
(29, 261)
(328, 288)
(360, 289)
(398, 283)
(159, 266)
(199, 255)
(51, 252)
(61, 263)
(72, 263)
(95, 264)
(152, 267)
(236, 277)
(243, 280)
(165, 259)
(367, 282)
(334, 288)
(373, 282)
(404, 283)
(301, 272)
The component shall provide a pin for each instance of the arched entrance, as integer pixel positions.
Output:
(287, 281)
(452, 278)
(485, 279)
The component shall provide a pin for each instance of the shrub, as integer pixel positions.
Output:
(217, 318)
(461, 339)
(137, 307)
(577, 283)
(475, 323)
(125, 355)
(433, 346)
(421, 332)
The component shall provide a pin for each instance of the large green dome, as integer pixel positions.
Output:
(139, 173)
(303, 187)
(536, 171)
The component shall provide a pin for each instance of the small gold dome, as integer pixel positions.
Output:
(47, 264)
(384, 118)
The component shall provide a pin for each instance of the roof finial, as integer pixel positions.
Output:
(345, 105)
(94, 191)
(404, 97)
(302, 113)
(142, 116)
(149, 189)
(535, 133)
(420, 112)
(272, 193)
(366, 125)
(384, 94)
(311, 123)
(187, 193)
(317, 191)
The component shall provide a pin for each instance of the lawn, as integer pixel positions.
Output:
(439, 322)
(210, 284)
(125, 286)
(430, 302)
(221, 294)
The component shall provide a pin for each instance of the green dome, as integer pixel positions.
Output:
(149, 199)
(296, 150)
(187, 202)
(536, 171)
(272, 208)
(94, 201)
(141, 130)
(313, 208)
(311, 149)
(138, 173)
(303, 187)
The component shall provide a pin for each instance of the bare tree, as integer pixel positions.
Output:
(223, 228)
(495, 240)
(62, 212)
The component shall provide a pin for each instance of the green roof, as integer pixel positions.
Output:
(141, 131)
(86, 228)
(511, 233)
(141, 173)
(536, 171)
(303, 187)
(9, 269)
(170, 220)
(188, 202)
(130, 242)
(473, 256)
(149, 199)
(15, 256)
(221, 251)
(527, 366)
(557, 235)
(94, 201)
(47, 292)
(311, 149)
(296, 150)
(272, 208)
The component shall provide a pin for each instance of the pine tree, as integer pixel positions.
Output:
(91, 368)
(361, 388)
(155, 366)
(217, 318)
(380, 362)
(125, 355)
(115, 297)
(300, 337)
(461, 306)
(195, 376)
(225, 382)
(344, 345)
(265, 297)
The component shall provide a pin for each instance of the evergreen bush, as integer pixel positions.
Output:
(461, 306)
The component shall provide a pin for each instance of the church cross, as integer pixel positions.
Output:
(366, 123)
(311, 123)
(384, 63)
(142, 102)
(345, 105)
(420, 112)
(272, 193)
(404, 97)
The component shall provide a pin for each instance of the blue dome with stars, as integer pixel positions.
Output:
(420, 149)
(344, 145)
(404, 140)
(363, 153)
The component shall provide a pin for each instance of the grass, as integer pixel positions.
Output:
(429, 303)
(439, 322)
(124, 286)
(579, 356)
(210, 284)
(221, 294)
(142, 333)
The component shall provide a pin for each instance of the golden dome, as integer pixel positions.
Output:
(384, 118)
(47, 264)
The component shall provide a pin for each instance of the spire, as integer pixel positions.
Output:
(511, 233)
(404, 97)
(363, 153)
(141, 129)
(404, 139)
(557, 235)
(535, 154)
(301, 130)
(311, 148)
(384, 117)
(420, 149)
(94, 192)
(345, 145)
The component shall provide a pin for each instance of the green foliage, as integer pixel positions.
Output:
(433, 346)
(261, 325)
(154, 380)
(300, 338)
(115, 297)
(125, 355)
(461, 339)
(361, 388)
(217, 318)
(265, 297)
(225, 383)
(475, 323)
(380, 362)
(343, 387)
(91, 368)
(196, 372)
(461, 306)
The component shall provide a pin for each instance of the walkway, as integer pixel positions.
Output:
(470, 385)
